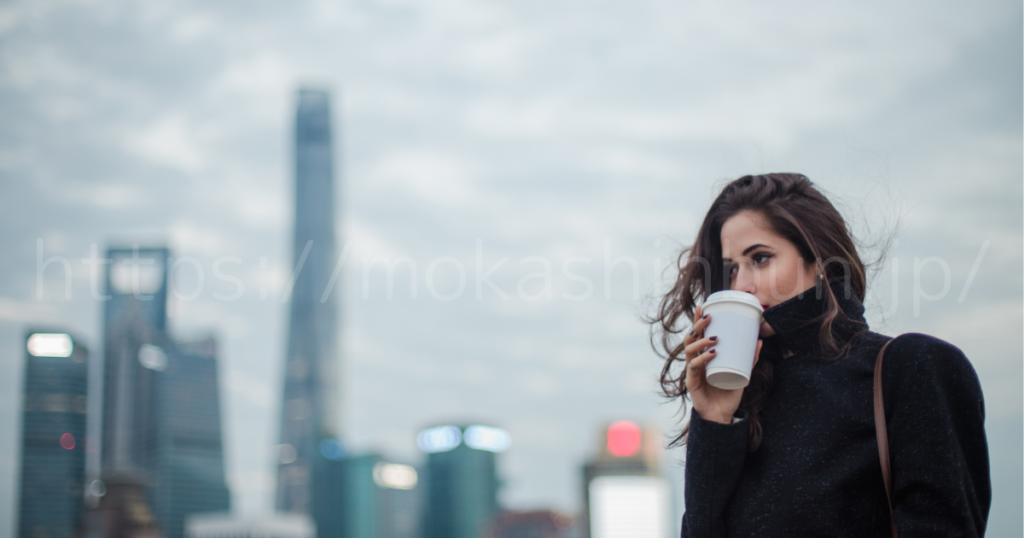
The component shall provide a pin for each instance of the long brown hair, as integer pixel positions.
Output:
(793, 208)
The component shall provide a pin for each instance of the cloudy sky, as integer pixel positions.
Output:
(559, 136)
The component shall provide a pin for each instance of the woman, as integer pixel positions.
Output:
(795, 452)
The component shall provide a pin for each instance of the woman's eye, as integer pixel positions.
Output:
(760, 258)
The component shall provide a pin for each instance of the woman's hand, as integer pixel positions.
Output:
(712, 403)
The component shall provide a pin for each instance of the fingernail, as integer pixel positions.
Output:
(705, 316)
(713, 351)
(714, 338)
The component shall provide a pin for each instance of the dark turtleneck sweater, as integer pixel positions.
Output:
(817, 472)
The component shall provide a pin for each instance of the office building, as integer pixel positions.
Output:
(398, 499)
(460, 479)
(624, 494)
(373, 498)
(327, 490)
(53, 426)
(189, 474)
(309, 407)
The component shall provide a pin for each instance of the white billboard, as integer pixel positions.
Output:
(629, 507)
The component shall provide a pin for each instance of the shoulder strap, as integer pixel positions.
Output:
(883, 434)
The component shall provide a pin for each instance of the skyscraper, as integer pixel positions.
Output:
(189, 472)
(162, 451)
(134, 320)
(53, 435)
(134, 315)
(309, 409)
(461, 479)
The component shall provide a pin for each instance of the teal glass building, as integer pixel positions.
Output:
(461, 479)
(366, 496)
(53, 443)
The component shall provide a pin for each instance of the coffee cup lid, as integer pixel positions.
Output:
(733, 296)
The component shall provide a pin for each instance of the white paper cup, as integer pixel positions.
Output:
(736, 321)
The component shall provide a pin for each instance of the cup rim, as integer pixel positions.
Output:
(733, 296)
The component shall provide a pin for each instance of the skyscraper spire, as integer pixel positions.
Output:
(309, 406)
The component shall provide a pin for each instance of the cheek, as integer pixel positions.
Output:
(795, 278)
(780, 278)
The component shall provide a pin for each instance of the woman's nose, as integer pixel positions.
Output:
(743, 281)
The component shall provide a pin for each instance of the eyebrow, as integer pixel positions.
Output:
(748, 249)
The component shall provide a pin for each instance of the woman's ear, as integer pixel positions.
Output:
(811, 269)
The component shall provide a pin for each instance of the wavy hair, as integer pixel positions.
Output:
(793, 208)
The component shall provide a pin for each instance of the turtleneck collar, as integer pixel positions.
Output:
(797, 320)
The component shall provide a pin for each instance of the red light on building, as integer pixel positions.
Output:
(624, 439)
(67, 441)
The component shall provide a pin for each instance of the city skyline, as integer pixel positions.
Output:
(542, 133)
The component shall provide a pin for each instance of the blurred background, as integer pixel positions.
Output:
(511, 184)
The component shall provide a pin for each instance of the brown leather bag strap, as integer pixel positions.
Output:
(883, 434)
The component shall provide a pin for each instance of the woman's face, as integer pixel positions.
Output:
(763, 263)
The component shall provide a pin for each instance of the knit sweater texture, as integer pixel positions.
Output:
(817, 471)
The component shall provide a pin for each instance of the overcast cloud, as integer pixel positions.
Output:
(562, 131)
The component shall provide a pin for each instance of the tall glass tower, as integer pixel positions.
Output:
(309, 409)
(53, 435)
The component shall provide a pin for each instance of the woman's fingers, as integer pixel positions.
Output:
(696, 346)
(695, 370)
(757, 351)
(700, 361)
(701, 323)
